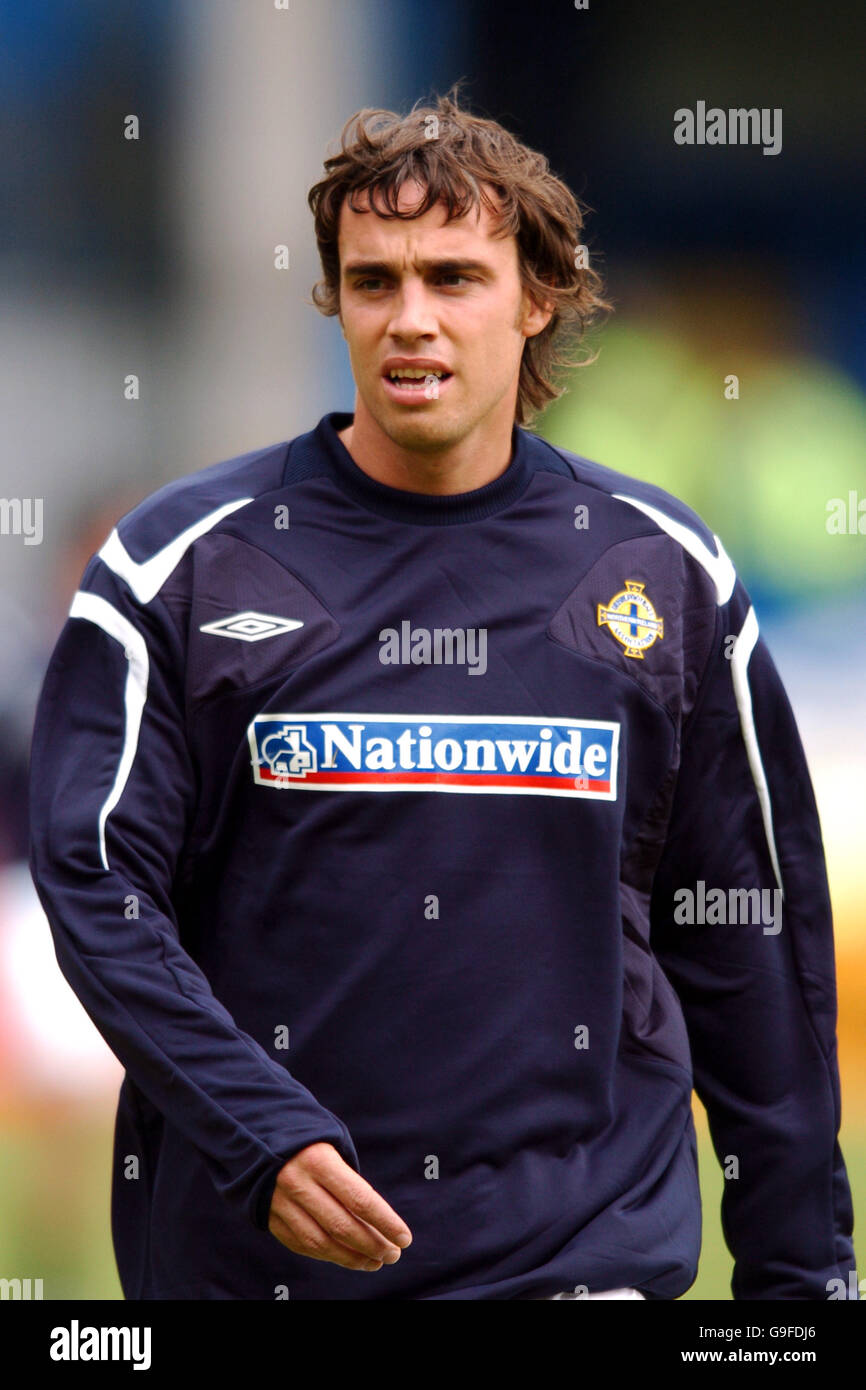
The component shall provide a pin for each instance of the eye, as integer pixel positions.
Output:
(374, 282)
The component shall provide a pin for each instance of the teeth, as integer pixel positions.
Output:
(414, 373)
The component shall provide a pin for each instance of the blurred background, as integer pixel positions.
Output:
(153, 257)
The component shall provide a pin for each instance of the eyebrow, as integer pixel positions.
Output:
(449, 264)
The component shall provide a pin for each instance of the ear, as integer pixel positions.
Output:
(534, 316)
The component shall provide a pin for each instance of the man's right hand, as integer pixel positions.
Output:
(323, 1208)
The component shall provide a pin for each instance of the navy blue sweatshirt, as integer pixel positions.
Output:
(466, 833)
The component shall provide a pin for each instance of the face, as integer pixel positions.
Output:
(446, 296)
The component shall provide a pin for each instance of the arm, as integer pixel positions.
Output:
(758, 992)
(112, 790)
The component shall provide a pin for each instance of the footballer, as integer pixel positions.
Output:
(386, 937)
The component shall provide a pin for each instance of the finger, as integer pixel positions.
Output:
(362, 1200)
(303, 1235)
(339, 1223)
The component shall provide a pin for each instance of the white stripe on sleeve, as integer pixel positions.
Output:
(96, 610)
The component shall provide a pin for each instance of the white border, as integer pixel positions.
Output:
(364, 716)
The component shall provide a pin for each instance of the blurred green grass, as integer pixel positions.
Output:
(55, 1205)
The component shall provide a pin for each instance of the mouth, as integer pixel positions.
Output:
(416, 384)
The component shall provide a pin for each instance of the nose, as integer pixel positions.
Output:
(413, 315)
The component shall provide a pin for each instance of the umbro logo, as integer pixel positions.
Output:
(251, 626)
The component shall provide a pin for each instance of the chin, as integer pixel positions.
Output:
(426, 433)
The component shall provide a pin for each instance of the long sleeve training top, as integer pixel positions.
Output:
(467, 833)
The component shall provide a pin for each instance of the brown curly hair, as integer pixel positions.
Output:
(453, 154)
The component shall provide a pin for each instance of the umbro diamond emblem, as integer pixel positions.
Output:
(251, 626)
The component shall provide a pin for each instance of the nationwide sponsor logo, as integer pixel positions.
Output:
(251, 626)
(632, 619)
(352, 751)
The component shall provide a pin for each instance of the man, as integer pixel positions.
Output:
(376, 778)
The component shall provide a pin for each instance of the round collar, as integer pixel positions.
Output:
(424, 508)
